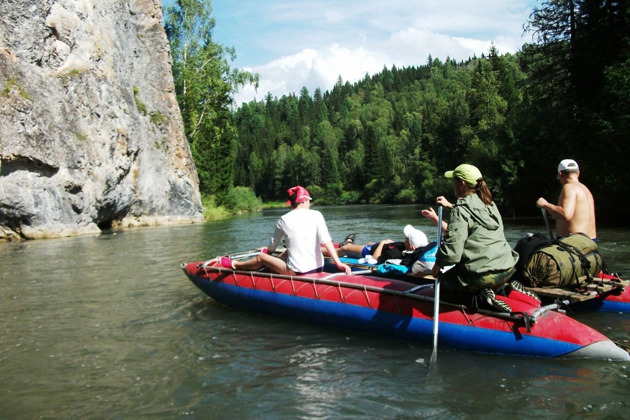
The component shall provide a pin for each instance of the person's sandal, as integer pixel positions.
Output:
(490, 298)
(520, 288)
(349, 240)
(227, 263)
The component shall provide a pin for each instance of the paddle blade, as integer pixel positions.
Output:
(544, 213)
(433, 359)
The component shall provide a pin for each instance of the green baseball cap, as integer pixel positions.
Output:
(468, 173)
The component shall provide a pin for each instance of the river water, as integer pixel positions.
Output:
(109, 327)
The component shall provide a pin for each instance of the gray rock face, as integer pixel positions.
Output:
(91, 135)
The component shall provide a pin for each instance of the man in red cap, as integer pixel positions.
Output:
(304, 230)
(575, 212)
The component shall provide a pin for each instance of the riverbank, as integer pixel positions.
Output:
(214, 212)
(239, 200)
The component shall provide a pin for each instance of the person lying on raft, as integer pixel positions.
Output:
(379, 252)
(304, 230)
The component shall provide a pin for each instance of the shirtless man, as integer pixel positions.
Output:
(575, 211)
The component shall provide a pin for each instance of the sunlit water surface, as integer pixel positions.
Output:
(109, 327)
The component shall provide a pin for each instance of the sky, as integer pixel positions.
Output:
(293, 44)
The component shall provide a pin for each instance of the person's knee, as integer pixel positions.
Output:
(268, 260)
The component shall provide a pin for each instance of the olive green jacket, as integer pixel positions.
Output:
(474, 240)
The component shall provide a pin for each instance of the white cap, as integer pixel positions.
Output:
(568, 165)
(416, 237)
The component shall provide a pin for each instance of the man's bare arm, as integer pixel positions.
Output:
(566, 204)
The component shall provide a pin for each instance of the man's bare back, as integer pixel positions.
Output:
(575, 212)
(578, 213)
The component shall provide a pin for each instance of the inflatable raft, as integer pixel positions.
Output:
(399, 308)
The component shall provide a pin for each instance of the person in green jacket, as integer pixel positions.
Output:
(474, 243)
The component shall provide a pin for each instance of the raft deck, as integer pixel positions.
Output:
(591, 289)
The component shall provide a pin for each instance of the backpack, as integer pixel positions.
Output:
(566, 262)
(528, 244)
(424, 260)
(425, 253)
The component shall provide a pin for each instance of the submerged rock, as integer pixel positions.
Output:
(91, 135)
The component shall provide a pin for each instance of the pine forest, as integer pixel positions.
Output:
(389, 137)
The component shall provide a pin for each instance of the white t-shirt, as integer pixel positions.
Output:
(305, 230)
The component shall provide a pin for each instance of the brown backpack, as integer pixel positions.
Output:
(567, 262)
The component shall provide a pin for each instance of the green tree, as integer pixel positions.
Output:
(327, 139)
(553, 26)
(204, 85)
(572, 68)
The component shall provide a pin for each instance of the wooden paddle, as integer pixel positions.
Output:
(436, 297)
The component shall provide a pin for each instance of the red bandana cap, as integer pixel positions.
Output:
(300, 194)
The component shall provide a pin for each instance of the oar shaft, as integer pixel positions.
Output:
(436, 302)
(544, 213)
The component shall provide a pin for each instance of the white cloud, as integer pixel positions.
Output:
(312, 69)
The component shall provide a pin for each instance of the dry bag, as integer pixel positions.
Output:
(567, 262)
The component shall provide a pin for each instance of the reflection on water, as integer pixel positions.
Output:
(108, 326)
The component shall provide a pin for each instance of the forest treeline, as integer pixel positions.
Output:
(389, 137)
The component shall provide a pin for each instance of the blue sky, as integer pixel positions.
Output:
(296, 43)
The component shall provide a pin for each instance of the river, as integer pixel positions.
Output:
(108, 326)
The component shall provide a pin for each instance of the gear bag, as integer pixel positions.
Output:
(528, 244)
(566, 262)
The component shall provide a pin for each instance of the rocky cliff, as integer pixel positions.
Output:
(91, 135)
